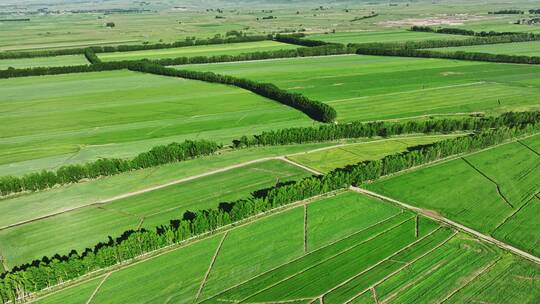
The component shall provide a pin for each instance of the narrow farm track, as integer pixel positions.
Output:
(497, 186)
(212, 262)
(305, 229)
(93, 295)
(439, 218)
(285, 159)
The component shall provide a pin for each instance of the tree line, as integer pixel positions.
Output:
(22, 281)
(315, 109)
(428, 44)
(459, 55)
(189, 149)
(323, 50)
(68, 174)
(42, 71)
(458, 31)
(91, 56)
(359, 129)
(297, 39)
(507, 12)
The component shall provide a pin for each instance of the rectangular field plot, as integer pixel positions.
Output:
(264, 261)
(493, 185)
(202, 50)
(531, 48)
(329, 159)
(81, 228)
(125, 113)
(67, 60)
(372, 88)
(386, 36)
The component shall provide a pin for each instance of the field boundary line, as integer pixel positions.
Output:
(300, 257)
(476, 274)
(528, 147)
(374, 293)
(379, 262)
(212, 262)
(93, 295)
(450, 158)
(497, 186)
(404, 266)
(411, 283)
(285, 159)
(187, 242)
(371, 238)
(305, 229)
(513, 214)
(440, 218)
(411, 91)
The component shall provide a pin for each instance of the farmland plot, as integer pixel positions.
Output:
(120, 113)
(381, 36)
(80, 228)
(201, 50)
(531, 48)
(67, 60)
(265, 261)
(497, 186)
(373, 88)
(329, 159)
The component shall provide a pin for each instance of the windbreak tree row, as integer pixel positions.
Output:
(23, 281)
(331, 132)
(458, 31)
(315, 109)
(68, 174)
(323, 50)
(459, 55)
(429, 44)
(189, 149)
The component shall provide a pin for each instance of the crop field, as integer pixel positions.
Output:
(253, 263)
(313, 177)
(374, 88)
(125, 113)
(83, 227)
(381, 36)
(531, 48)
(498, 185)
(67, 60)
(326, 160)
(202, 50)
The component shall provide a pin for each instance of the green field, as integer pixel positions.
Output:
(329, 159)
(202, 50)
(67, 60)
(372, 88)
(122, 113)
(381, 36)
(84, 227)
(492, 186)
(531, 48)
(378, 251)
